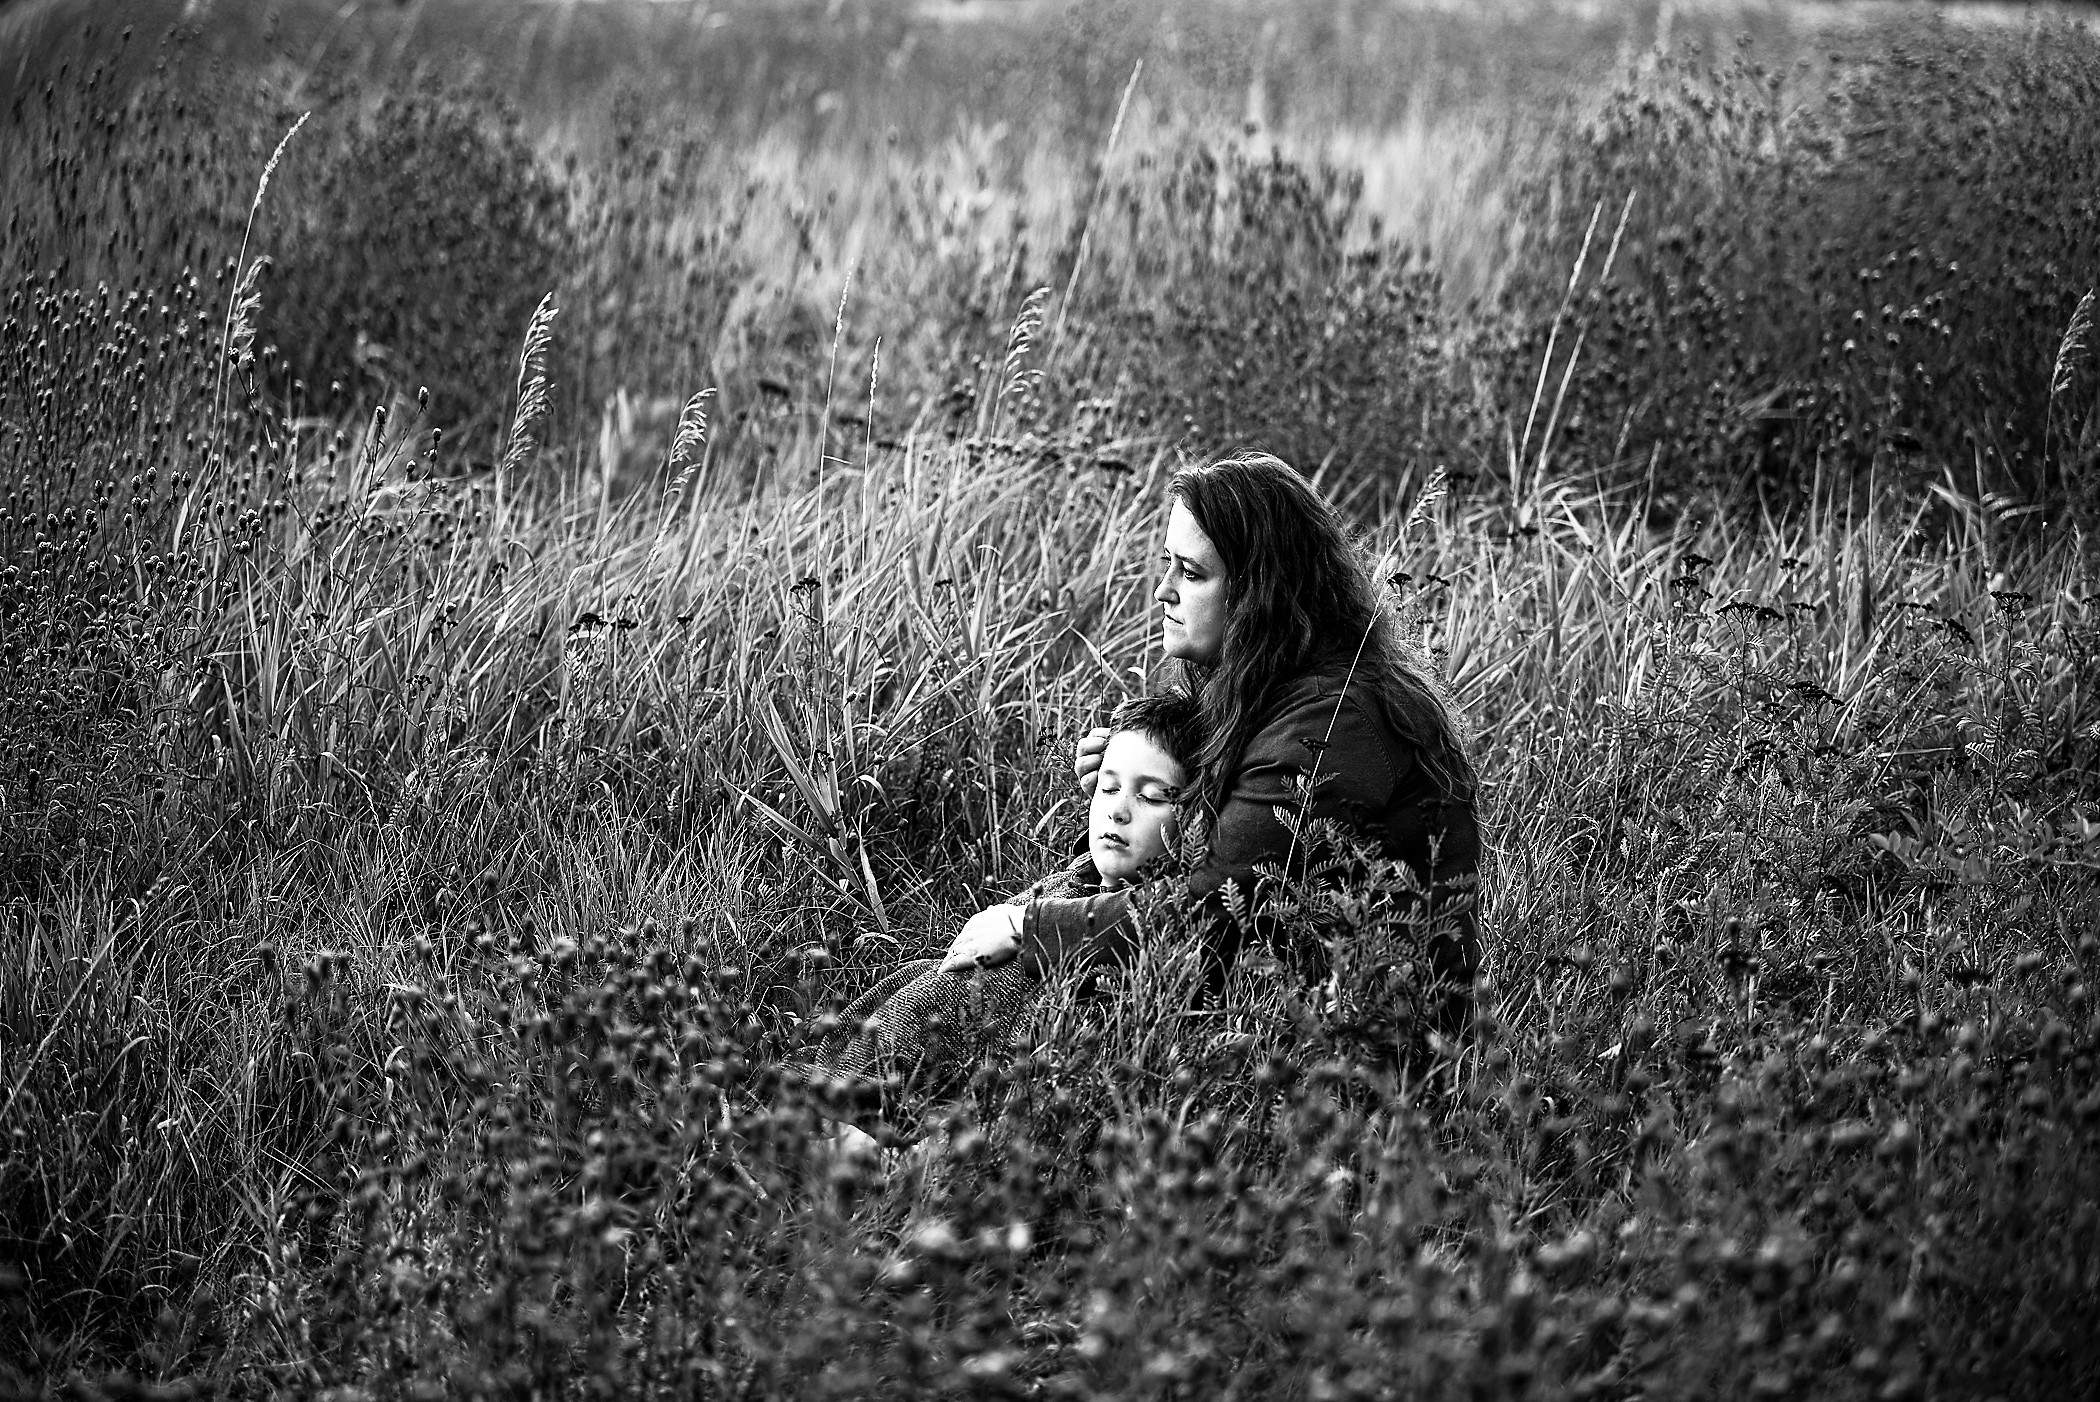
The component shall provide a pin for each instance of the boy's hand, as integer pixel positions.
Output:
(1087, 763)
(987, 939)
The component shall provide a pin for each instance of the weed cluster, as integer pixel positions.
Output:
(1232, 304)
(1813, 283)
(420, 232)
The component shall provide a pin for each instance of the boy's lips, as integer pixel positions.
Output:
(1114, 838)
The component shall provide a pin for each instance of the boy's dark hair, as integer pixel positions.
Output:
(1171, 720)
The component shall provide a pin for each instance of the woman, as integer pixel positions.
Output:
(1302, 680)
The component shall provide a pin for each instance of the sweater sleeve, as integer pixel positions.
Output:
(1084, 930)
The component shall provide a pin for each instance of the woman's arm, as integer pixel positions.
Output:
(1352, 766)
(991, 937)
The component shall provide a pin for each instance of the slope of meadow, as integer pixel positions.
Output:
(522, 596)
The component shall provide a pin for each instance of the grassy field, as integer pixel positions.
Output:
(545, 548)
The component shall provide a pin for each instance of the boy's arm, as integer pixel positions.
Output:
(1244, 834)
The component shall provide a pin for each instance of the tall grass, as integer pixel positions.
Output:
(431, 841)
(446, 740)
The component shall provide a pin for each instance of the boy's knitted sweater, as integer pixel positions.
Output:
(1077, 878)
(931, 1028)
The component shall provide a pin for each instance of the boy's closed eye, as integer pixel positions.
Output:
(1146, 793)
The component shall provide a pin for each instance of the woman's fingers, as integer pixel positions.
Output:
(1087, 761)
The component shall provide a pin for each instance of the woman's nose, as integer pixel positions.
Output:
(1165, 593)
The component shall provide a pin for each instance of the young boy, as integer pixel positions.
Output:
(931, 1027)
(1133, 817)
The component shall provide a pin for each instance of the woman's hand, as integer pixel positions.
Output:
(1087, 762)
(987, 939)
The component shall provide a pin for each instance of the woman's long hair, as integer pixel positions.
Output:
(1298, 594)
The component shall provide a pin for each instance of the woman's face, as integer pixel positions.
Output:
(1193, 593)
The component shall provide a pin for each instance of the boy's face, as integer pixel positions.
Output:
(1131, 818)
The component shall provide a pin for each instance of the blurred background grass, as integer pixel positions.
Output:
(1431, 103)
(699, 184)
